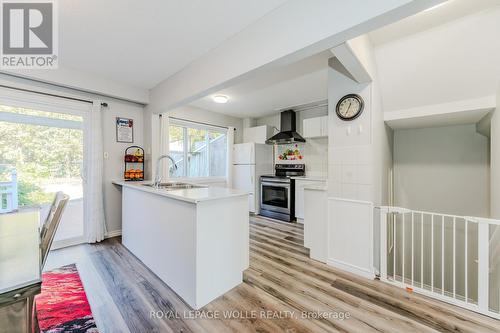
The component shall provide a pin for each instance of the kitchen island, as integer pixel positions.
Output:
(195, 239)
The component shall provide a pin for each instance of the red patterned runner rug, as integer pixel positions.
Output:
(62, 306)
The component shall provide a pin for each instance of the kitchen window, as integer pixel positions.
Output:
(199, 151)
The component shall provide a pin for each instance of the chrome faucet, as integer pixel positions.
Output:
(157, 180)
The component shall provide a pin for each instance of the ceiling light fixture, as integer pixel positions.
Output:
(221, 99)
(436, 6)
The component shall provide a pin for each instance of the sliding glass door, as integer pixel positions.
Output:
(43, 152)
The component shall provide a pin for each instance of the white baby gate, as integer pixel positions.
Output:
(452, 258)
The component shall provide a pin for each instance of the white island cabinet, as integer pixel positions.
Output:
(196, 240)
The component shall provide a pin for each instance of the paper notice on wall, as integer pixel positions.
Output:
(124, 130)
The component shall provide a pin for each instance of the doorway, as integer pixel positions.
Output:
(43, 151)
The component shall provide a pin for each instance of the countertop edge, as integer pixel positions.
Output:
(172, 194)
(314, 179)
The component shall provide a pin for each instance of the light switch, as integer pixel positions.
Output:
(348, 130)
(106, 155)
(360, 129)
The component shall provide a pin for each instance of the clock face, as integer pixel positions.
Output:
(350, 107)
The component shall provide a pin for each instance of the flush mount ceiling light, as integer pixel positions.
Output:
(221, 99)
(436, 6)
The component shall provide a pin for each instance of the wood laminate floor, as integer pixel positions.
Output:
(281, 287)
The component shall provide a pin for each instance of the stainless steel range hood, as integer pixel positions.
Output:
(288, 131)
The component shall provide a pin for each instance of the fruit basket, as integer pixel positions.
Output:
(134, 163)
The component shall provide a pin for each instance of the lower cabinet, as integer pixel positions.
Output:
(299, 195)
(315, 223)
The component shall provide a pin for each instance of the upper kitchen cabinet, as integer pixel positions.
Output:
(257, 134)
(315, 127)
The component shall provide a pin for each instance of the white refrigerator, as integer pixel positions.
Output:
(250, 161)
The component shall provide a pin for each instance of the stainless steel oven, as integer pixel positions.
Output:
(277, 192)
(276, 197)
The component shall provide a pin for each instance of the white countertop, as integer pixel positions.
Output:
(311, 178)
(192, 195)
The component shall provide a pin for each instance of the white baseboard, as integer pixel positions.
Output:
(114, 233)
(351, 268)
(80, 240)
(67, 242)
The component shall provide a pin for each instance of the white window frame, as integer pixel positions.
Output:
(192, 124)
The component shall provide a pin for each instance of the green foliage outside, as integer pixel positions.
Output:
(40, 154)
(30, 194)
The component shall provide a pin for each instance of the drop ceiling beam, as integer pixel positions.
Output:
(296, 30)
(349, 64)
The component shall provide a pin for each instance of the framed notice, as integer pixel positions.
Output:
(124, 130)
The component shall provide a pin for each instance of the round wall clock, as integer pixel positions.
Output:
(350, 107)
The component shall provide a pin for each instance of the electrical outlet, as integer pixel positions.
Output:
(106, 155)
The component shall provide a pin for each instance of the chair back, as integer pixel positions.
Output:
(51, 224)
(50, 214)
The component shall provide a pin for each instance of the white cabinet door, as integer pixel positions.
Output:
(299, 195)
(299, 200)
(311, 127)
(315, 223)
(315, 127)
(250, 134)
(257, 134)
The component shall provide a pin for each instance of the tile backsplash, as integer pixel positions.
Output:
(314, 155)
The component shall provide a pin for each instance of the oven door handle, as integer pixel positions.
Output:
(272, 180)
(275, 184)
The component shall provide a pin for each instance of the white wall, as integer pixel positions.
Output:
(442, 169)
(382, 135)
(350, 150)
(495, 160)
(495, 205)
(113, 166)
(315, 151)
(459, 58)
(359, 161)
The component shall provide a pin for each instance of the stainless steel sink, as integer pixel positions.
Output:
(174, 186)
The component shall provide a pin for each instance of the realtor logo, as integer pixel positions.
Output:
(29, 34)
